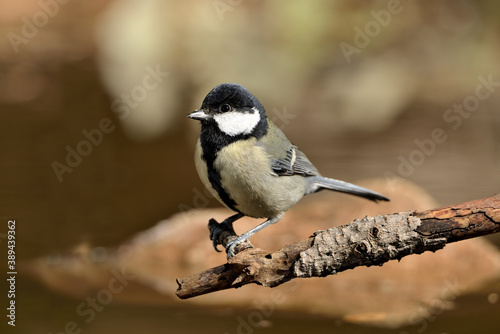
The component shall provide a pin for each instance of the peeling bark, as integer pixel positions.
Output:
(364, 242)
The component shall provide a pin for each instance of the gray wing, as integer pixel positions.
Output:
(295, 162)
(285, 158)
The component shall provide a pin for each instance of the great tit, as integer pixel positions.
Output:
(250, 166)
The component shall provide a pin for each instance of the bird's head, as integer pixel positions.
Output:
(233, 110)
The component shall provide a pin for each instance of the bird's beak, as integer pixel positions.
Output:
(199, 115)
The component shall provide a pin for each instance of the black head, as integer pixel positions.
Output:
(231, 111)
(237, 96)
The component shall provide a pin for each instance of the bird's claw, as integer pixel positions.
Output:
(230, 251)
(216, 230)
(216, 244)
(231, 246)
(215, 233)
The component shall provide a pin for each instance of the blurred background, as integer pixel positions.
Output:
(96, 147)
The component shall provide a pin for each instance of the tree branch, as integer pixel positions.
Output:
(364, 242)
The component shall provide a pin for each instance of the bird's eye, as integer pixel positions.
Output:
(225, 108)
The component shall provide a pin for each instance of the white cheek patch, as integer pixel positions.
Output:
(235, 123)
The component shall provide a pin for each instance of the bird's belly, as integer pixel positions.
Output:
(258, 192)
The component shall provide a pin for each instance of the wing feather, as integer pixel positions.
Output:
(294, 163)
(285, 158)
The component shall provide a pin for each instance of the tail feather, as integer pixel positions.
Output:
(317, 183)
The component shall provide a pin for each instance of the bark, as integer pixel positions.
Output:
(364, 242)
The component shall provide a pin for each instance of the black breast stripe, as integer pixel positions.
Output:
(211, 143)
(215, 181)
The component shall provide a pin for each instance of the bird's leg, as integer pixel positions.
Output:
(245, 236)
(216, 229)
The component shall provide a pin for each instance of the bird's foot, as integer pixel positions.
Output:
(217, 230)
(231, 246)
(223, 234)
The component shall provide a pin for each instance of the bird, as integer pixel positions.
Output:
(250, 166)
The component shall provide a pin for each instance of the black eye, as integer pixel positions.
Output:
(225, 108)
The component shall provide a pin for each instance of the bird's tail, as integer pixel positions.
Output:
(317, 183)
